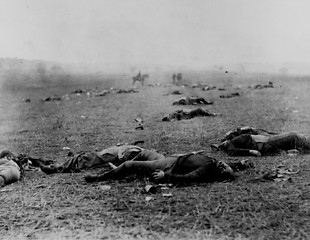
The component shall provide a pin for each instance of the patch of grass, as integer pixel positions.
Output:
(63, 206)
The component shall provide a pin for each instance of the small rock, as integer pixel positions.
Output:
(167, 194)
(105, 187)
(150, 189)
(148, 198)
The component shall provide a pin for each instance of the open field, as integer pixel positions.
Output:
(64, 206)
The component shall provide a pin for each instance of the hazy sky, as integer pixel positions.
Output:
(176, 32)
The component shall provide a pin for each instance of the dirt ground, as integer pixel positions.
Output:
(64, 206)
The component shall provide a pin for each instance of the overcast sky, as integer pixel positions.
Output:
(172, 32)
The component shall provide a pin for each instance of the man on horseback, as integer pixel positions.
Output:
(139, 78)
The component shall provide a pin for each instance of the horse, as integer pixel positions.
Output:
(140, 78)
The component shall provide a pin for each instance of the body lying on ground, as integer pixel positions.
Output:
(186, 168)
(188, 114)
(127, 91)
(257, 145)
(230, 95)
(90, 160)
(259, 86)
(10, 170)
(191, 101)
(246, 130)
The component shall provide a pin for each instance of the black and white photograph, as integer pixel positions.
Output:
(154, 119)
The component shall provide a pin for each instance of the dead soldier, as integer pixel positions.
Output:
(102, 159)
(188, 168)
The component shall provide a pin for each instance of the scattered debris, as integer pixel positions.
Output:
(165, 185)
(140, 127)
(150, 189)
(207, 88)
(105, 187)
(6, 189)
(121, 143)
(278, 175)
(23, 131)
(167, 194)
(148, 198)
(138, 120)
(294, 169)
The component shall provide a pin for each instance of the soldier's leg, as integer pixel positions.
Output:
(124, 170)
(133, 167)
(287, 141)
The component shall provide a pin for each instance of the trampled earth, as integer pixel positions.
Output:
(64, 206)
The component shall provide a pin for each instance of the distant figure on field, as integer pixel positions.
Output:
(90, 160)
(174, 78)
(207, 88)
(139, 78)
(187, 168)
(179, 78)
